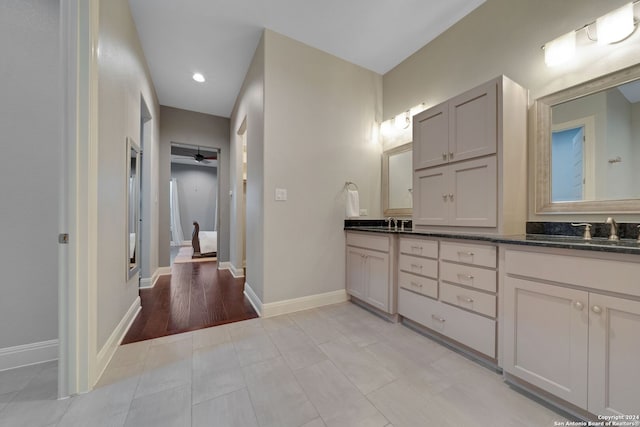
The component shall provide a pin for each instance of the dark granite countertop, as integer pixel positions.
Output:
(600, 244)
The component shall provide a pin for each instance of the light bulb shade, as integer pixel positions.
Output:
(402, 121)
(616, 25)
(198, 77)
(560, 50)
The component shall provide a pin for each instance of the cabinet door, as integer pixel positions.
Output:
(431, 196)
(355, 272)
(377, 279)
(545, 338)
(473, 123)
(614, 349)
(475, 190)
(431, 137)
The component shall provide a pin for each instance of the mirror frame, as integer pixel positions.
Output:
(541, 134)
(132, 146)
(386, 210)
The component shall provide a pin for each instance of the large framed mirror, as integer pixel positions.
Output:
(397, 181)
(132, 238)
(587, 146)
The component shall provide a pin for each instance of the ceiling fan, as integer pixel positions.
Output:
(203, 159)
(186, 153)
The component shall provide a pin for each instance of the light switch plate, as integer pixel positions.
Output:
(281, 194)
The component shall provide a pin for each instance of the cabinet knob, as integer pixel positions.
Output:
(444, 197)
(596, 309)
(437, 319)
(450, 155)
(578, 305)
(451, 197)
(444, 156)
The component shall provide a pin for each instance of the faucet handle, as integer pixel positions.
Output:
(638, 233)
(587, 229)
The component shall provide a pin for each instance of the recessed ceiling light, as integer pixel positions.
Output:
(198, 77)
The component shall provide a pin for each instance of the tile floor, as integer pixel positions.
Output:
(334, 366)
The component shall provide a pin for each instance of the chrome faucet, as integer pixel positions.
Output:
(587, 229)
(614, 229)
(395, 223)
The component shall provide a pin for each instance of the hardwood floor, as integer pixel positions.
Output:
(195, 296)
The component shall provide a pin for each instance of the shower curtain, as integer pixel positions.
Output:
(177, 236)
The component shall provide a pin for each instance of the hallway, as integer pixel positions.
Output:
(196, 295)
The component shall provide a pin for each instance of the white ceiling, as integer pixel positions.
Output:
(218, 38)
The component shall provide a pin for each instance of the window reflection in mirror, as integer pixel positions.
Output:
(397, 181)
(595, 146)
(133, 207)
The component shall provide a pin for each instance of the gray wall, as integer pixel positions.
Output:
(197, 129)
(29, 173)
(197, 195)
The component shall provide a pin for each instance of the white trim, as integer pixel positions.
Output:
(110, 347)
(235, 272)
(150, 282)
(28, 354)
(253, 299)
(303, 303)
(225, 265)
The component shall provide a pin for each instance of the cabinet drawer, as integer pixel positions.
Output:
(369, 241)
(417, 247)
(466, 298)
(422, 285)
(476, 332)
(422, 266)
(483, 255)
(466, 275)
(600, 274)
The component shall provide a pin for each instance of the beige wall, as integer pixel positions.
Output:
(123, 78)
(249, 110)
(198, 129)
(319, 115)
(504, 37)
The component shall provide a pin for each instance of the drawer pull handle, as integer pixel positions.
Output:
(465, 299)
(437, 319)
(465, 276)
(578, 305)
(416, 266)
(418, 248)
(596, 309)
(465, 253)
(416, 284)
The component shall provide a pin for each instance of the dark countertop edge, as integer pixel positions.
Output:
(510, 240)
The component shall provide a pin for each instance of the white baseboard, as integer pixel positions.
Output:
(292, 305)
(28, 354)
(150, 282)
(108, 350)
(253, 299)
(235, 272)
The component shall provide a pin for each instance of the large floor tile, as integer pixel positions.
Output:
(360, 366)
(170, 408)
(338, 401)
(130, 354)
(253, 345)
(296, 347)
(277, 398)
(16, 379)
(211, 336)
(166, 377)
(230, 410)
(99, 420)
(317, 327)
(216, 371)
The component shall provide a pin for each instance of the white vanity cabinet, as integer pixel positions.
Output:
(572, 327)
(459, 298)
(459, 148)
(370, 269)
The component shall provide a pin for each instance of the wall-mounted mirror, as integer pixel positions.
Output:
(132, 238)
(587, 146)
(397, 181)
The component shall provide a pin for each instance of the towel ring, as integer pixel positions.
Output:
(348, 184)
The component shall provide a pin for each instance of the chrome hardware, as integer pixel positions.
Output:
(465, 276)
(402, 223)
(63, 238)
(460, 253)
(578, 305)
(451, 197)
(395, 223)
(416, 284)
(436, 318)
(450, 155)
(614, 229)
(444, 156)
(465, 299)
(587, 229)
(417, 247)
(596, 309)
(416, 266)
(639, 234)
(444, 196)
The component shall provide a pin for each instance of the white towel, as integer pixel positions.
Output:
(353, 204)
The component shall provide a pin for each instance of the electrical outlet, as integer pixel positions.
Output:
(364, 212)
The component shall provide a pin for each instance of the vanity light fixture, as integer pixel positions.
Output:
(560, 50)
(198, 77)
(616, 25)
(403, 120)
(612, 27)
